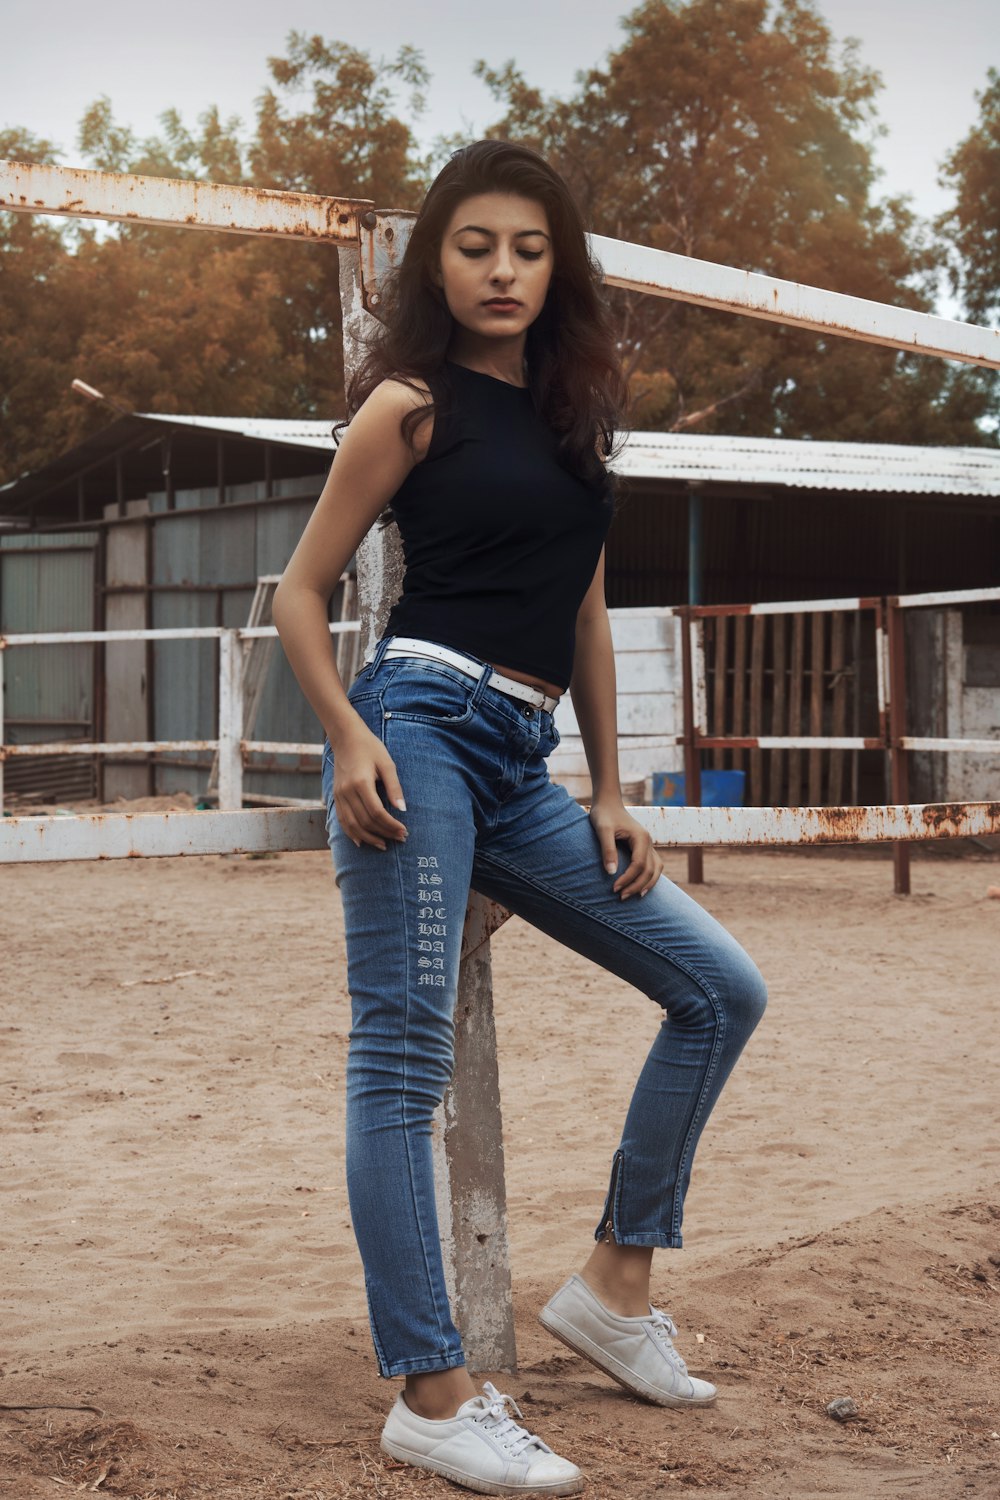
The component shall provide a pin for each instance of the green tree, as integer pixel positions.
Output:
(741, 134)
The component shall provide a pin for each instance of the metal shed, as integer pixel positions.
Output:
(170, 520)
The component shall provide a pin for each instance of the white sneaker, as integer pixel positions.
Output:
(637, 1352)
(481, 1447)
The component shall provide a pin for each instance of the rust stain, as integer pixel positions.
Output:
(725, 742)
(839, 823)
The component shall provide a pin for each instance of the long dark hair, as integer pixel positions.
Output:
(573, 369)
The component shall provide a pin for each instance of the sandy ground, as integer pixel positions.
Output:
(181, 1295)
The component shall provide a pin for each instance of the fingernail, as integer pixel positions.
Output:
(400, 803)
(611, 868)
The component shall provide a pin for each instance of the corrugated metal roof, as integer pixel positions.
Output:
(298, 431)
(880, 467)
(798, 463)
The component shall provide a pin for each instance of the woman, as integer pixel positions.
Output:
(479, 417)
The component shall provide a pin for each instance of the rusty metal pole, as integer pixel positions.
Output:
(467, 1129)
(900, 770)
(692, 764)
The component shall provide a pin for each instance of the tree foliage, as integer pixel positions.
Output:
(973, 225)
(741, 134)
(168, 320)
(972, 228)
(738, 133)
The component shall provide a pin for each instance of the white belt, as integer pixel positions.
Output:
(405, 645)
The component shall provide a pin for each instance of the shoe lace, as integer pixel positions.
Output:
(502, 1427)
(665, 1329)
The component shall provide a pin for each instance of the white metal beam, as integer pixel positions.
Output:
(706, 284)
(142, 835)
(27, 187)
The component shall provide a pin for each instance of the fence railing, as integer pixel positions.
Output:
(229, 742)
(722, 673)
(900, 743)
(726, 702)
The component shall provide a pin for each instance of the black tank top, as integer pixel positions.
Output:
(500, 539)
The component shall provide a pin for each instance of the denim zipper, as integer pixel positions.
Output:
(608, 1236)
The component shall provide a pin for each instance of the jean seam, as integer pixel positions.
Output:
(415, 717)
(418, 1217)
(422, 1363)
(703, 985)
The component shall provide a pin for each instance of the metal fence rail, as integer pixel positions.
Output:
(691, 827)
(890, 693)
(900, 743)
(82, 193)
(706, 284)
(90, 836)
(229, 742)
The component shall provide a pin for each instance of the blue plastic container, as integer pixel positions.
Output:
(718, 789)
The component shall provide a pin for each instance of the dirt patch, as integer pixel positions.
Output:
(176, 1249)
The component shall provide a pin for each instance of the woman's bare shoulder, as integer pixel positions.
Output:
(394, 398)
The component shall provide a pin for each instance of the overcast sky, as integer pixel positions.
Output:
(932, 55)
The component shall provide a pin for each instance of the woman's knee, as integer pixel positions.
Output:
(746, 993)
(726, 988)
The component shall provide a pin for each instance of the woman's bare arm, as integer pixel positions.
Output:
(371, 463)
(594, 689)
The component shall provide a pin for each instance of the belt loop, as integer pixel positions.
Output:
(380, 651)
(482, 684)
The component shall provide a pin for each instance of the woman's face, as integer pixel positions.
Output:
(496, 264)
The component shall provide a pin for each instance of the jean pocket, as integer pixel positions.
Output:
(424, 694)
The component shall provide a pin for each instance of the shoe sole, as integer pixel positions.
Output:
(580, 1344)
(471, 1482)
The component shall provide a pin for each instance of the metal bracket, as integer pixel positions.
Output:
(384, 237)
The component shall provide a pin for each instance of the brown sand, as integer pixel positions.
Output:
(176, 1250)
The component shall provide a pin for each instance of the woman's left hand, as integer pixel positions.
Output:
(611, 822)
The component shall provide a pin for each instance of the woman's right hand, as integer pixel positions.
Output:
(360, 759)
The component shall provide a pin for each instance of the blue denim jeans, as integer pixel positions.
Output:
(482, 812)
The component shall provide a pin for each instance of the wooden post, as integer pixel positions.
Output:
(720, 623)
(839, 726)
(230, 722)
(758, 626)
(899, 766)
(739, 683)
(816, 707)
(467, 1129)
(795, 709)
(692, 762)
(778, 757)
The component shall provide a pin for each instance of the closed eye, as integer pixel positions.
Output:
(524, 254)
